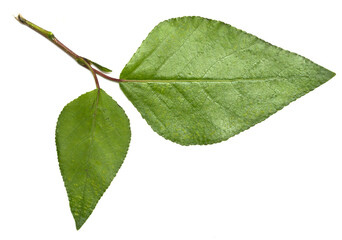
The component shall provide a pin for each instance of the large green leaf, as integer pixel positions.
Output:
(200, 81)
(92, 138)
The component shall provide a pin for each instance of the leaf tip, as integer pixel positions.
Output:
(79, 222)
(78, 226)
(332, 74)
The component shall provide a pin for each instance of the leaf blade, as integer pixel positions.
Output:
(198, 51)
(92, 139)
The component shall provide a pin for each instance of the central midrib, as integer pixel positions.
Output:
(92, 136)
(272, 78)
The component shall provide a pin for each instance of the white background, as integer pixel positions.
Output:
(281, 179)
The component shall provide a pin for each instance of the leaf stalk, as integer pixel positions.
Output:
(84, 62)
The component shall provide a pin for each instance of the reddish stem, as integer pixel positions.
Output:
(80, 60)
(108, 77)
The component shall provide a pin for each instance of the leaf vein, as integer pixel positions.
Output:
(170, 56)
(148, 55)
(226, 56)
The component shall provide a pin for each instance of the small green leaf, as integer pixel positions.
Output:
(92, 138)
(200, 81)
(98, 66)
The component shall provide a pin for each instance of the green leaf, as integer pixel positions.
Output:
(92, 138)
(98, 66)
(200, 81)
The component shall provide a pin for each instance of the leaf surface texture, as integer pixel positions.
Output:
(92, 138)
(200, 81)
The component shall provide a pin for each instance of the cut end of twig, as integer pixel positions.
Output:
(20, 18)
